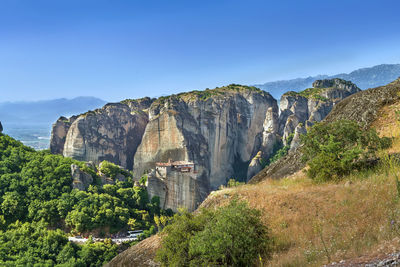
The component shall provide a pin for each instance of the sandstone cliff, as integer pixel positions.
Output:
(311, 105)
(361, 107)
(219, 130)
(227, 132)
(111, 133)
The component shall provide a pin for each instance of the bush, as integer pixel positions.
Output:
(112, 170)
(232, 235)
(335, 149)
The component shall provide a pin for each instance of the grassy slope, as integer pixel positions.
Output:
(317, 223)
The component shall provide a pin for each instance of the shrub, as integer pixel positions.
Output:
(112, 170)
(335, 149)
(233, 183)
(232, 235)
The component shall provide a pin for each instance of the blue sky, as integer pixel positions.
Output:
(128, 49)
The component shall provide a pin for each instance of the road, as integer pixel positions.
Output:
(115, 240)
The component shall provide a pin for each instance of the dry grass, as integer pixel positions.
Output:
(316, 223)
(388, 124)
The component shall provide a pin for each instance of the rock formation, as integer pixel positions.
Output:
(256, 165)
(111, 133)
(362, 107)
(80, 180)
(227, 132)
(176, 187)
(59, 134)
(1, 127)
(219, 130)
(311, 105)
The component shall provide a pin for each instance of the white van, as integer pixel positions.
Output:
(134, 234)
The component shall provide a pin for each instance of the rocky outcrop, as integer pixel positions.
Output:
(59, 133)
(227, 132)
(1, 127)
(362, 107)
(80, 179)
(256, 165)
(296, 141)
(311, 105)
(111, 133)
(175, 190)
(219, 130)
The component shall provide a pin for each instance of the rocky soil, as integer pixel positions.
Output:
(142, 254)
(384, 260)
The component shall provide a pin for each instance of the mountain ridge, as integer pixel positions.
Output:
(368, 77)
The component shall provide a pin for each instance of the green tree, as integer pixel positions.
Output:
(333, 150)
(230, 236)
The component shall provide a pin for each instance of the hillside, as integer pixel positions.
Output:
(364, 107)
(354, 220)
(365, 78)
(45, 198)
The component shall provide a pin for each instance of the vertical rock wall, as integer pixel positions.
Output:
(111, 133)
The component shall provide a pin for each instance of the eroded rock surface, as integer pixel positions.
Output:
(362, 107)
(227, 132)
(311, 105)
(218, 133)
(111, 133)
(80, 179)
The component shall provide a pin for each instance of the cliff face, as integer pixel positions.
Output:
(176, 189)
(220, 133)
(59, 134)
(311, 105)
(111, 133)
(227, 132)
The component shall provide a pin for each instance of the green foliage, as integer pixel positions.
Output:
(208, 93)
(230, 236)
(313, 93)
(143, 179)
(29, 244)
(36, 195)
(233, 183)
(112, 170)
(333, 150)
(280, 150)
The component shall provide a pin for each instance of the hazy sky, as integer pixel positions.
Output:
(128, 49)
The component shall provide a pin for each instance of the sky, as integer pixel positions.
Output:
(115, 49)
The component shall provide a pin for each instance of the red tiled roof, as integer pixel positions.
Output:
(173, 163)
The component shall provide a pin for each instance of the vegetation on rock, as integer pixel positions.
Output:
(313, 93)
(208, 93)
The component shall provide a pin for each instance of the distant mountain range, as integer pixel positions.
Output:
(46, 111)
(30, 121)
(364, 78)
